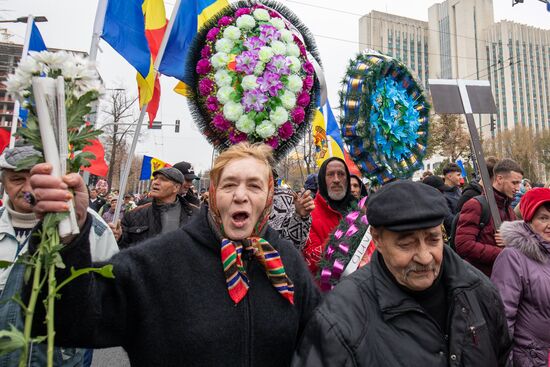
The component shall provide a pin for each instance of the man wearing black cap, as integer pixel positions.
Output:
(416, 303)
(187, 189)
(167, 211)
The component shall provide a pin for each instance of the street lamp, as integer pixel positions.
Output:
(37, 19)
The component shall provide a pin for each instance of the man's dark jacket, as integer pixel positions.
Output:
(145, 222)
(367, 320)
(470, 191)
(452, 195)
(97, 204)
(168, 304)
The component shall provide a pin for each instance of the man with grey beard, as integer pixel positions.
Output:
(332, 202)
(416, 303)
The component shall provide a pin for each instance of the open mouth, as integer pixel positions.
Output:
(239, 219)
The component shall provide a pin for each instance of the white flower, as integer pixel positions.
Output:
(266, 129)
(53, 60)
(295, 64)
(295, 83)
(278, 116)
(246, 124)
(30, 66)
(261, 14)
(224, 94)
(224, 45)
(232, 33)
(17, 84)
(292, 50)
(288, 99)
(259, 69)
(249, 82)
(287, 36)
(265, 54)
(278, 47)
(246, 22)
(223, 79)
(219, 60)
(85, 86)
(277, 23)
(233, 111)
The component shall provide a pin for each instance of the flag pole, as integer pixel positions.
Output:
(16, 104)
(98, 28)
(143, 112)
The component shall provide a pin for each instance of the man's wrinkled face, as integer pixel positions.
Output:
(113, 205)
(355, 188)
(508, 183)
(93, 194)
(454, 178)
(414, 258)
(185, 187)
(336, 179)
(164, 189)
(16, 185)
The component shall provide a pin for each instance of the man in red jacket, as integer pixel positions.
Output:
(480, 247)
(331, 203)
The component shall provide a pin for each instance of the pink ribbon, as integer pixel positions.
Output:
(338, 269)
(351, 217)
(338, 234)
(344, 248)
(362, 202)
(325, 280)
(330, 252)
(351, 230)
(364, 220)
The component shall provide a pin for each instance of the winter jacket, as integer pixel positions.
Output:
(169, 305)
(522, 275)
(477, 247)
(470, 191)
(324, 220)
(452, 195)
(286, 221)
(367, 320)
(97, 204)
(145, 222)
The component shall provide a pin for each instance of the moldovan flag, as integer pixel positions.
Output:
(155, 26)
(98, 166)
(150, 165)
(190, 16)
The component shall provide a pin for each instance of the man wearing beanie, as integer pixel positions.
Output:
(415, 304)
(331, 203)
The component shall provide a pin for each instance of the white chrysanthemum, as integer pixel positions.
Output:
(224, 45)
(249, 82)
(287, 36)
(246, 124)
(232, 32)
(278, 47)
(294, 83)
(261, 14)
(265, 54)
(292, 50)
(277, 23)
(278, 116)
(30, 66)
(219, 60)
(53, 60)
(233, 111)
(295, 64)
(288, 99)
(259, 69)
(223, 79)
(17, 83)
(246, 22)
(266, 129)
(85, 86)
(224, 94)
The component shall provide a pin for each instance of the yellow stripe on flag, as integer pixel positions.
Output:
(155, 14)
(210, 11)
(146, 86)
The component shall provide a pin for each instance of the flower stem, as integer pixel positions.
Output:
(30, 309)
(52, 283)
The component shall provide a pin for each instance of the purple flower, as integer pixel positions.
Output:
(246, 62)
(273, 142)
(270, 83)
(203, 66)
(279, 64)
(308, 83)
(224, 21)
(269, 33)
(211, 35)
(205, 86)
(286, 130)
(253, 100)
(237, 137)
(303, 99)
(300, 45)
(298, 115)
(308, 67)
(242, 11)
(212, 103)
(206, 52)
(274, 14)
(221, 123)
(254, 43)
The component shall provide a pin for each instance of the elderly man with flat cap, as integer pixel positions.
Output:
(167, 212)
(416, 303)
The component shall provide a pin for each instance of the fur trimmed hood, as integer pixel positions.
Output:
(519, 235)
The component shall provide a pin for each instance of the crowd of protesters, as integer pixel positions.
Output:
(226, 276)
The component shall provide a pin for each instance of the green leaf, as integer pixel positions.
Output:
(5, 264)
(11, 340)
(105, 271)
(58, 261)
(27, 163)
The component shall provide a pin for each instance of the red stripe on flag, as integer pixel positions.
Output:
(153, 106)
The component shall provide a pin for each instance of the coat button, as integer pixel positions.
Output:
(464, 310)
(453, 357)
(441, 353)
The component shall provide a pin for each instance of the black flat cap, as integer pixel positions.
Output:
(171, 173)
(404, 205)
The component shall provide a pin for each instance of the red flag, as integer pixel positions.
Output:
(4, 139)
(98, 166)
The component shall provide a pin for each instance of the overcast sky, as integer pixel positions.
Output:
(71, 22)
